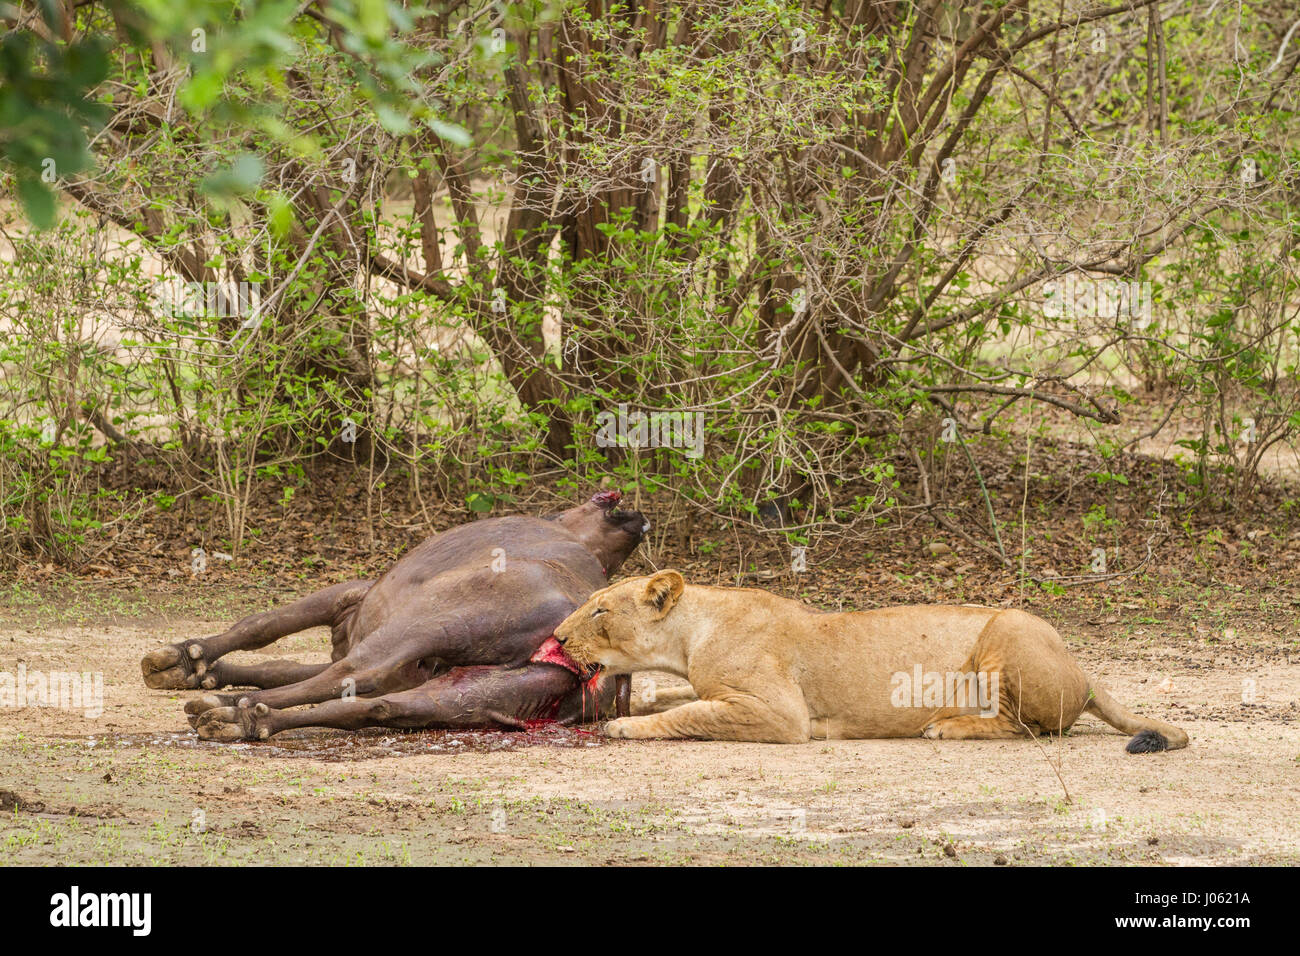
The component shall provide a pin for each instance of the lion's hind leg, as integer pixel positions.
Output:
(975, 727)
(1020, 664)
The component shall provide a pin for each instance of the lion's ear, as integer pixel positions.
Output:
(662, 591)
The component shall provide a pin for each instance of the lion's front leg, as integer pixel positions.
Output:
(717, 720)
(660, 700)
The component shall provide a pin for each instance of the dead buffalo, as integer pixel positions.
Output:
(457, 634)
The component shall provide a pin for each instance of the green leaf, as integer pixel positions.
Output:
(392, 120)
(373, 16)
(452, 133)
(38, 202)
(279, 218)
(50, 14)
(241, 177)
(202, 90)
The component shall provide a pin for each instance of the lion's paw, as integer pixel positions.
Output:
(932, 731)
(621, 728)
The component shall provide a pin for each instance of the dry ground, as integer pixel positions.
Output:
(136, 786)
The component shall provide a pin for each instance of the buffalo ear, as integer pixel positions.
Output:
(662, 591)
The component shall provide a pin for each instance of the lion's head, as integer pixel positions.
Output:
(623, 627)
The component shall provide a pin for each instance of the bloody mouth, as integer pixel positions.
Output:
(552, 652)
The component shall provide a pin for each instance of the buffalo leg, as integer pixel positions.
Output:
(462, 698)
(264, 674)
(267, 674)
(394, 657)
(189, 664)
(372, 669)
(389, 659)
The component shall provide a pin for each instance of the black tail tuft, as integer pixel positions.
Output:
(1147, 742)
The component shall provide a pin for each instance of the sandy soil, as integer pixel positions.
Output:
(135, 786)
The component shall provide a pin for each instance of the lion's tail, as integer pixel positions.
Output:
(1149, 735)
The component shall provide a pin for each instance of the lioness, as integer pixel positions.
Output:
(774, 670)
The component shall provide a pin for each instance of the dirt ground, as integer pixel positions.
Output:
(135, 785)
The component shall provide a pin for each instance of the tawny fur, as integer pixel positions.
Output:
(769, 669)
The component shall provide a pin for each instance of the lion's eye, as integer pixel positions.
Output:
(599, 611)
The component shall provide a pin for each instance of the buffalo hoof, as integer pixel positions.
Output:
(197, 707)
(235, 723)
(175, 667)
